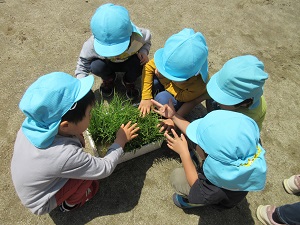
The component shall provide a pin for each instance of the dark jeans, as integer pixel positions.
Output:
(163, 96)
(289, 214)
(107, 69)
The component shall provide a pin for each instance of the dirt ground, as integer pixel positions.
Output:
(39, 36)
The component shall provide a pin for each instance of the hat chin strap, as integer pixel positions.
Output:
(251, 160)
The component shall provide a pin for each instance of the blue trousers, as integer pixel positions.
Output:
(163, 96)
(289, 214)
(106, 69)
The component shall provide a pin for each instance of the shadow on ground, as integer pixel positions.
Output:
(213, 215)
(118, 193)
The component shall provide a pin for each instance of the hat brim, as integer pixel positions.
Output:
(217, 94)
(204, 71)
(86, 84)
(115, 49)
(191, 130)
(111, 50)
(158, 60)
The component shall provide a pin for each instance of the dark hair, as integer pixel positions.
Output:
(78, 113)
(248, 102)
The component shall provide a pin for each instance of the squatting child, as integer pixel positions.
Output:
(117, 45)
(49, 167)
(179, 71)
(238, 87)
(234, 163)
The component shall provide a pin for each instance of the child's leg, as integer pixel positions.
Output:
(76, 192)
(163, 98)
(157, 86)
(179, 182)
(102, 69)
(132, 68)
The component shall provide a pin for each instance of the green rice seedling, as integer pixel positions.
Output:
(107, 119)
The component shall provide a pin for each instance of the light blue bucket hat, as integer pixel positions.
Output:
(184, 55)
(235, 158)
(240, 78)
(46, 101)
(112, 29)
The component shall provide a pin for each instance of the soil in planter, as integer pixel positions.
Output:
(107, 119)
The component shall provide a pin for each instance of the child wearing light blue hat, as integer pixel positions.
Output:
(234, 163)
(117, 45)
(49, 167)
(179, 71)
(238, 86)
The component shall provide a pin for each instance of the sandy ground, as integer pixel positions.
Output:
(39, 36)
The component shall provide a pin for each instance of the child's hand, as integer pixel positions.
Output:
(143, 58)
(145, 106)
(176, 143)
(126, 133)
(166, 124)
(167, 111)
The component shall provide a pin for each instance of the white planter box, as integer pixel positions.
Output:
(128, 155)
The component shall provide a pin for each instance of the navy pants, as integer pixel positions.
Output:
(163, 96)
(106, 69)
(289, 214)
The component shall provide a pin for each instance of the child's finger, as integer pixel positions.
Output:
(169, 138)
(128, 124)
(182, 137)
(135, 130)
(134, 136)
(170, 146)
(157, 104)
(174, 133)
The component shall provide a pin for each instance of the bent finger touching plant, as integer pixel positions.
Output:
(107, 119)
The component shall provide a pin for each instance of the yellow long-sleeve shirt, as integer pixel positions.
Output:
(184, 91)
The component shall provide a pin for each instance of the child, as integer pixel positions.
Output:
(238, 87)
(116, 45)
(284, 214)
(49, 167)
(178, 71)
(234, 164)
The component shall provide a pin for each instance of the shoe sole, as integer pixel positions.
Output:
(258, 214)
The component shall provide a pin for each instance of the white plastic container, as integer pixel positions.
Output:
(128, 155)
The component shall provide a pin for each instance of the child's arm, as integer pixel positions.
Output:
(145, 49)
(87, 55)
(187, 107)
(126, 133)
(146, 86)
(179, 145)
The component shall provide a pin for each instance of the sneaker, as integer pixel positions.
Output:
(292, 184)
(107, 87)
(183, 202)
(131, 91)
(65, 207)
(264, 214)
